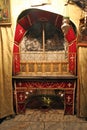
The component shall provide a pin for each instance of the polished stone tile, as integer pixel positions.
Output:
(75, 126)
(54, 126)
(36, 126)
(44, 120)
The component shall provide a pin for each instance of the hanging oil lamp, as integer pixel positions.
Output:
(65, 27)
(83, 26)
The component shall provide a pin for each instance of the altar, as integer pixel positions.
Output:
(43, 59)
(23, 85)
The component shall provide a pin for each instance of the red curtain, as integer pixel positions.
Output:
(21, 30)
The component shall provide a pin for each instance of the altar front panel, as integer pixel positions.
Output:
(22, 87)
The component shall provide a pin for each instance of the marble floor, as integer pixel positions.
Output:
(44, 120)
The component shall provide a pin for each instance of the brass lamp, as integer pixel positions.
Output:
(83, 26)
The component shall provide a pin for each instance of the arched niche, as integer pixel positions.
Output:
(37, 22)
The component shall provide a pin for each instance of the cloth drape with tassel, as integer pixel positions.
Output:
(6, 92)
(82, 89)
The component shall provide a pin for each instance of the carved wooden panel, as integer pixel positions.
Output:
(45, 68)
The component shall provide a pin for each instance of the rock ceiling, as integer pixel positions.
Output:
(80, 3)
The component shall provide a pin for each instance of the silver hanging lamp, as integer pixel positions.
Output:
(65, 23)
(65, 27)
